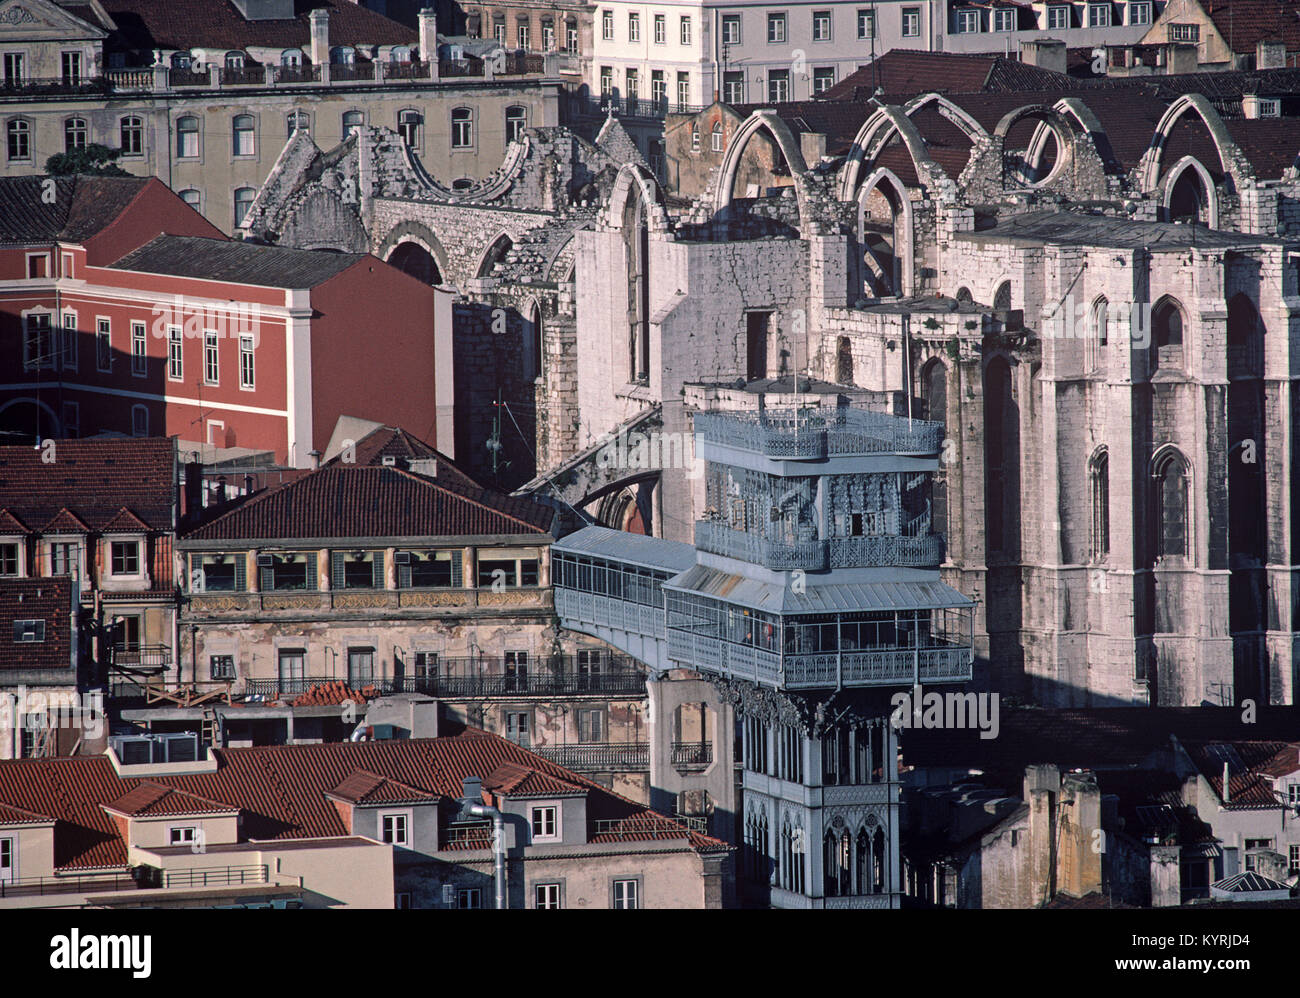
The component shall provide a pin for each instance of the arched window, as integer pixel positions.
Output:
(291, 57)
(74, 134)
(717, 136)
(1171, 506)
(516, 122)
(1098, 334)
(878, 860)
(533, 344)
(234, 60)
(843, 362)
(132, 135)
(408, 126)
(399, 53)
(245, 143)
(695, 138)
(187, 137)
(1099, 483)
(343, 55)
(462, 128)
(192, 198)
(296, 120)
(243, 201)
(352, 122)
(181, 60)
(1002, 297)
(1245, 339)
(1167, 334)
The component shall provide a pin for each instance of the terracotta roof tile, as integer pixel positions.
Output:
(10, 524)
(151, 799)
(1250, 768)
(20, 816)
(47, 599)
(81, 207)
(365, 787)
(66, 522)
(1245, 23)
(515, 780)
(125, 522)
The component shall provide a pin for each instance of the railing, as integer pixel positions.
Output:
(877, 668)
(194, 694)
(413, 70)
(534, 683)
(131, 79)
(69, 884)
(628, 107)
(344, 72)
(638, 828)
(188, 78)
(55, 85)
(467, 837)
(244, 76)
(522, 65)
(695, 822)
(142, 657)
(608, 611)
(460, 67)
(298, 74)
(836, 552)
(795, 434)
(692, 753)
(598, 755)
(215, 876)
(368, 599)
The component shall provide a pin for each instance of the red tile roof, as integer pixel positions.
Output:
(19, 816)
(282, 790)
(903, 72)
(514, 780)
(48, 599)
(1245, 23)
(333, 693)
(365, 787)
(66, 522)
(151, 799)
(94, 479)
(395, 442)
(343, 501)
(81, 207)
(144, 25)
(10, 524)
(1250, 768)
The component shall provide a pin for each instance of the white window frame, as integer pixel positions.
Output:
(777, 25)
(634, 26)
(247, 363)
(684, 29)
(659, 23)
(607, 25)
(8, 859)
(1058, 17)
(249, 133)
(730, 21)
(32, 359)
(618, 903)
(175, 353)
(1095, 20)
(20, 556)
(553, 896)
(911, 22)
(45, 259)
(68, 334)
(211, 357)
(968, 22)
(547, 809)
(1004, 19)
(1144, 7)
(401, 829)
(104, 334)
(828, 18)
(139, 349)
(866, 24)
(139, 556)
(176, 835)
(468, 898)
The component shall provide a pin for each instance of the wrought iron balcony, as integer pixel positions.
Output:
(795, 434)
(142, 657)
(692, 753)
(598, 756)
(814, 555)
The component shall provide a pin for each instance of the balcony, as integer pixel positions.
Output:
(692, 755)
(214, 876)
(611, 612)
(598, 756)
(925, 550)
(626, 107)
(812, 434)
(67, 884)
(142, 657)
(368, 599)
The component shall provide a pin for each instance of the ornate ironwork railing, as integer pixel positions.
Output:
(598, 755)
(692, 753)
(814, 433)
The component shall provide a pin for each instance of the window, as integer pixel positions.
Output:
(731, 29)
(546, 895)
(244, 144)
(968, 21)
(182, 835)
(606, 80)
(298, 120)
(1171, 499)
(352, 122)
(8, 559)
(1099, 476)
(175, 354)
(462, 128)
(633, 84)
(548, 36)
(1004, 20)
(211, 369)
(125, 557)
(778, 85)
(591, 725)
(1058, 17)
(661, 29)
(139, 344)
(29, 631)
(775, 29)
(71, 419)
(516, 122)
(867, 24)
(19, 138)
(139, 421)
(1139, 13)
(246, 372)
(293, 663)
(1293, 797)
(38, 347)
(625, 894)
(521, 35)
(634, 27)
(131, 130)
(685, 28)
(658, 87)
(394, 827)
(71, 64)
(911, 22)
(684, 90)
(74, 134)
(361, 667)
(1099, 15)
(221, 666)
(823, 78)
(470, 897)
(408, 126)
(217, 573)
(103, 345)
(517, 727)
(402, 901)
(243, 202)
(69, 329)
(1167, 330)
(13, 68)
(821, 26)
(716, 138)
(607, 25)
(545, 822)
(733, 86)
(187, 137)
(1270, 108)
(695, 138)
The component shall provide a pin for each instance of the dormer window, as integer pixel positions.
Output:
(29, 631)
(395, 827)
(234, 60)
(9, 558)
(546, 823)
(182, 835)
(125, 557)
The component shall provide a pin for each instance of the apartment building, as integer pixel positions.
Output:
(204, 97)
(384, 824)
(125, 312)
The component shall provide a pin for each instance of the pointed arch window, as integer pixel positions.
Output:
(1098, 334)
(1167, 334)
(1171, 506)
(1099, 483)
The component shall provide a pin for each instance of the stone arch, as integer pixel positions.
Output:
(422, 236)
(1229, 153)
(494, 254)
(780, 133)
(901, 280)
(1052, 124)
(1171, 474)
(1091, 126)
(1168, 333)
(1172, 185)
(1001, 297)
(634, 180)
(873, 134)
(410, 257)
(531, 346)
(957, 115)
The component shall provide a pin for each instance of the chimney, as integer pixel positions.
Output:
(1270, 53)
(193, 489)
(1045, 53)
(1227, 794)
(315, 459)
(428, 34)
(320, 36)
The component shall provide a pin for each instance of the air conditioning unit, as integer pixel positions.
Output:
(402, 557)
(141, 750)
(389, 461)
(264, 561)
